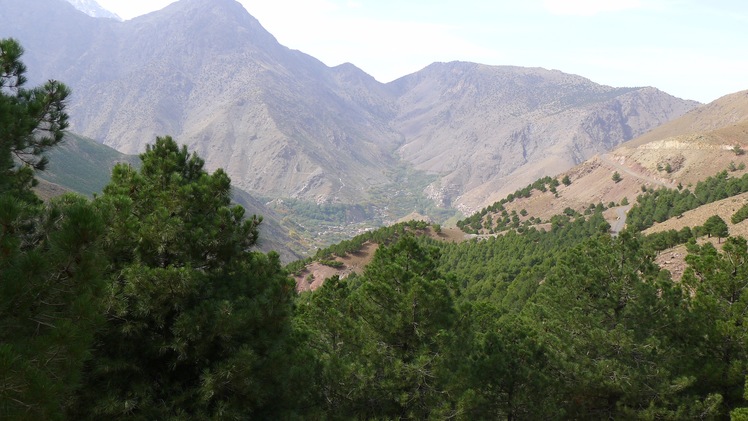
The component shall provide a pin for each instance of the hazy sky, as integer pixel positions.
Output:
(694, 49)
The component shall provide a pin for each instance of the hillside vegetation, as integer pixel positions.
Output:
(83, 165)
(149, 301)
(560, 313)
(546, 304)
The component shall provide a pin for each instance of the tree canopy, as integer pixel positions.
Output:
(31, 121)
(198, 324)
(716, 226)
(51, 262)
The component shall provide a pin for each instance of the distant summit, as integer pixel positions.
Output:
(93, 9)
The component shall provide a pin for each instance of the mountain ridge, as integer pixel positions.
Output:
(283, 124)
(583, 117)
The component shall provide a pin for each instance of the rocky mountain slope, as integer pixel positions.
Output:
(682, 152)
(698, 145)
(278, 121)
(283, 124)
(489, 130)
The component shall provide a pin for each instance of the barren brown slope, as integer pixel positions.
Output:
(591, 183)
(652, 162)
(315, 273)
(696, 146)
(719, 114)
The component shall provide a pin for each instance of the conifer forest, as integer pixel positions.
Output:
(150, 301)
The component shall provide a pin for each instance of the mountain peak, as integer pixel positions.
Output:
(282, 124)
(224, 24)
(210, 9)
(93, 9)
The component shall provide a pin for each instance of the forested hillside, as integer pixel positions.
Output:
(150, 302)
(567, 323)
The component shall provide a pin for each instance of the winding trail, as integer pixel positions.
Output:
(605, 159)
(621, 213)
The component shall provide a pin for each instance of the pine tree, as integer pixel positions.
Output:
(51, 263)
(31, 122)
(50, 287)
(500, 367)
(198, 325)
(408, 306)
(719, 283)
(382, 336)
(716, 226)
(596, 308)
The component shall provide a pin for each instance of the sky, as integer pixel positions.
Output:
(693, 49)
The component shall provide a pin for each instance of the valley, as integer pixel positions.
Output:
(211, 225)
(443, 142)
(691, 151)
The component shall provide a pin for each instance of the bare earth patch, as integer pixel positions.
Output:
(314, 275)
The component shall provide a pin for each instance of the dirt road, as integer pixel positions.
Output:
(605, 159)
(620, 221)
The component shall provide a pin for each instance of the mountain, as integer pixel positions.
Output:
(690, 154)
(278, 121)
(488, 130)
(93, 9)
(678, 154)
(723, 113)
(284, 125)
